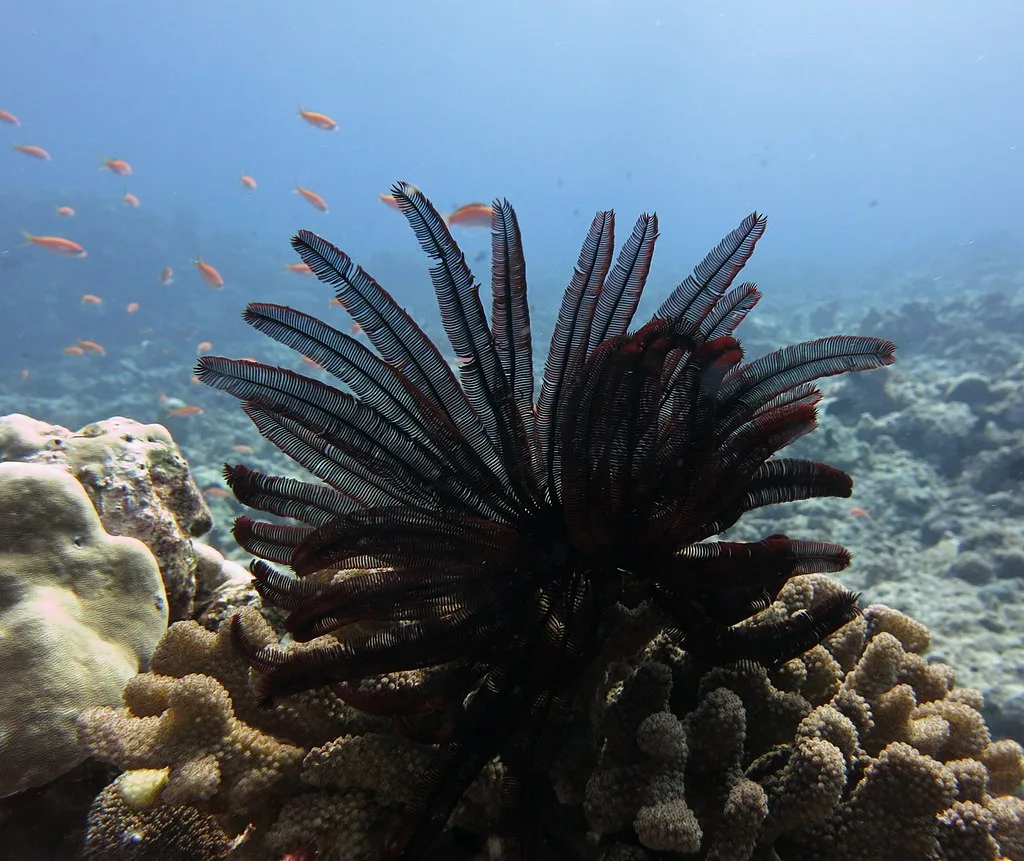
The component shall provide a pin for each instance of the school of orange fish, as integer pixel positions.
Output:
(469, 215)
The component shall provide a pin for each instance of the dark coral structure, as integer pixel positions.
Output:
(484, 540)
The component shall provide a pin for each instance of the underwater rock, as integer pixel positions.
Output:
(940, 434)
(139, 482)
(974, 568)
(852, 397)
(81, 612)
(971, 389)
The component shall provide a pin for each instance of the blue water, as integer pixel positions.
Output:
(869, 132)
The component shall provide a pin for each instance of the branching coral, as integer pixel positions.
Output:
(806, 760)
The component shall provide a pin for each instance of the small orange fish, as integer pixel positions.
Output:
(74, 350)
(313, 363)
(24, 373)
(299, 268)
(131, 200)
(93, 347)
(355, 330)
(470, 215)
(314, 199)
(117, 165)
(65, 211)
(132, 307)
(56, 245)
(186, 411)
(34, 151)
(319, 120)
(242, 448)
(210, 275)
(8, 117)
(91, 299)
(390, 201)
(204, 347)
(248, 182)
(216, 493)
(336, 303)
(167, 276)
(857, 511)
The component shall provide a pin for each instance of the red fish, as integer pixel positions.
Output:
(319, 120)
(117, 165)
(471, 215)
(34, 151)
(210, 275)
(56, 245)
(314, 199)
(8, 117)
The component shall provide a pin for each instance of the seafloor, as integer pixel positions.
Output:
(936, 522)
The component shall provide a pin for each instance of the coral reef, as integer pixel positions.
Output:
(859, 749)
(138, 481)
(80, 613)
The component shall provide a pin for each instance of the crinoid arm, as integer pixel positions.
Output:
(459, 552)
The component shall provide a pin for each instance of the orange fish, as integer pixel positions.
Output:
(336, 303)
(74, 350)
(186, 411)
(299, 268)
(132, 307)
(355, 330)
(34, 151)
(857, 511)
(167, 276)
(132, 201)
(313, 363)
(204, 347)
(242, 448)
(93, 347)
(216, 493)
(210, 275)
(117, 165)
(56, 245)
(24, 373)
(470, 215)
(390, 201)
(315, 199)
(65, 211)
(8, 117)
(91, 299)
(248, 182)
(319, 120)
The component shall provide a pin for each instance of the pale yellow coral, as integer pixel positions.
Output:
(216, 761)
(80, 614)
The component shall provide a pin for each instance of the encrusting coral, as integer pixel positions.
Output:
(858, 750)
(80, 613)
(139, 482)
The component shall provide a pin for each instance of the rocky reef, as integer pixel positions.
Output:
(869, 746)
(861, 748)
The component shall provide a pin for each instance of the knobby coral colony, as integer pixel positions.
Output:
(486, 539)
